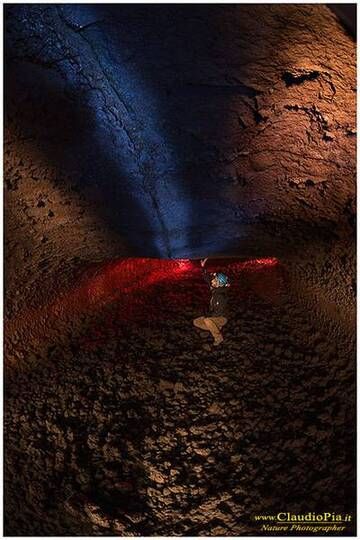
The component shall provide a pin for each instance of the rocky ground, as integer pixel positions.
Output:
(143, 428)
(170, 132)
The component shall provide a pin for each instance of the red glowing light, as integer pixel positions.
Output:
(132, 285)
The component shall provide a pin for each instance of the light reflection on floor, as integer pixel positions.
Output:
(138, 289)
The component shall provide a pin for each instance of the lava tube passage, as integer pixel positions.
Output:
(179, 262)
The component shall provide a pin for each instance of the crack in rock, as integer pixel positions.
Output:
(300, 77)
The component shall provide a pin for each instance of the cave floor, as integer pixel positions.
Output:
(142, 427)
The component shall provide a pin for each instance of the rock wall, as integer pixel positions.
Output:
(173, 131)
(177, 131)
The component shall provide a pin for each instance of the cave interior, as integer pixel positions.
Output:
(139, 139)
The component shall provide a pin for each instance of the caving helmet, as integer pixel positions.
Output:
(222, 279)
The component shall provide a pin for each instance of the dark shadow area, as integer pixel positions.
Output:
(347, 15)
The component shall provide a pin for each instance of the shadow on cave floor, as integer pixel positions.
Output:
(164, 435)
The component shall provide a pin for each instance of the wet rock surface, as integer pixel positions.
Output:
(147, 429)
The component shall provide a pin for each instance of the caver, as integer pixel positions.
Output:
(218, 313)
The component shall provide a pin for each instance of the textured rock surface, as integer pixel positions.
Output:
(163, 435)
(174, 131)
(177, 131)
